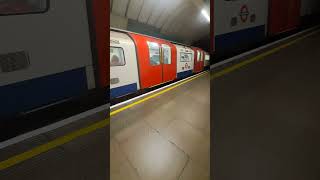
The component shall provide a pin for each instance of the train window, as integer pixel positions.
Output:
(117, 57)
(166, 54)
(154, 53)
(198, 55)
(14, 7)
(185, 57)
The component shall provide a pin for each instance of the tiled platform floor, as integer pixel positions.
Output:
(165, 138)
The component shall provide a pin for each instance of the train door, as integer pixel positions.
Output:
(169, 61)
(283, 15)
(99, 25)
(156, 60)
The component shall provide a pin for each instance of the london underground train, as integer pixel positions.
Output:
(140, 62)
(243, 24)
(51, 52)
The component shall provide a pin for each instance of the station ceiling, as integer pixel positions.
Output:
(178, 20)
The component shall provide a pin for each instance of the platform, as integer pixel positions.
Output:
(266, 113)
(166, 137)
(84, 157)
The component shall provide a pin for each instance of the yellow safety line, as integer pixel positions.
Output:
(69, 137)
(258, 57)
(153, 95)
(53, 144)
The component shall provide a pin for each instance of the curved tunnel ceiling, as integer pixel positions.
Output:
(178, 20)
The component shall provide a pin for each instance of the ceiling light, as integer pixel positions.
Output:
(205, 14)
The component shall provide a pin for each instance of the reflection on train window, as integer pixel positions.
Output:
(12, 7)
(198, 55)
(154, 53)
(166, 54)
(201, 56)
(185, 57)
(117, 56)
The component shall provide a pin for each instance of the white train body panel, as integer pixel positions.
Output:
(51, 56)
(185, 61)
(124, 78)
(239, 23)
(206, 60)
(226, 11)
(56, 41)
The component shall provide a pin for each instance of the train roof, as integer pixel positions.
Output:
(126, 31)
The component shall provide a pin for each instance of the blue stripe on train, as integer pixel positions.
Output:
(184, 74)
(239, 40)
(123, 90)
(27, 95)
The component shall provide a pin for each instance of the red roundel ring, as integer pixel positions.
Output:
(244, 13)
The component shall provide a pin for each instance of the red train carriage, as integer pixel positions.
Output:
(284, 15)
(198, 59)
(139, 62)
(156, 59)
